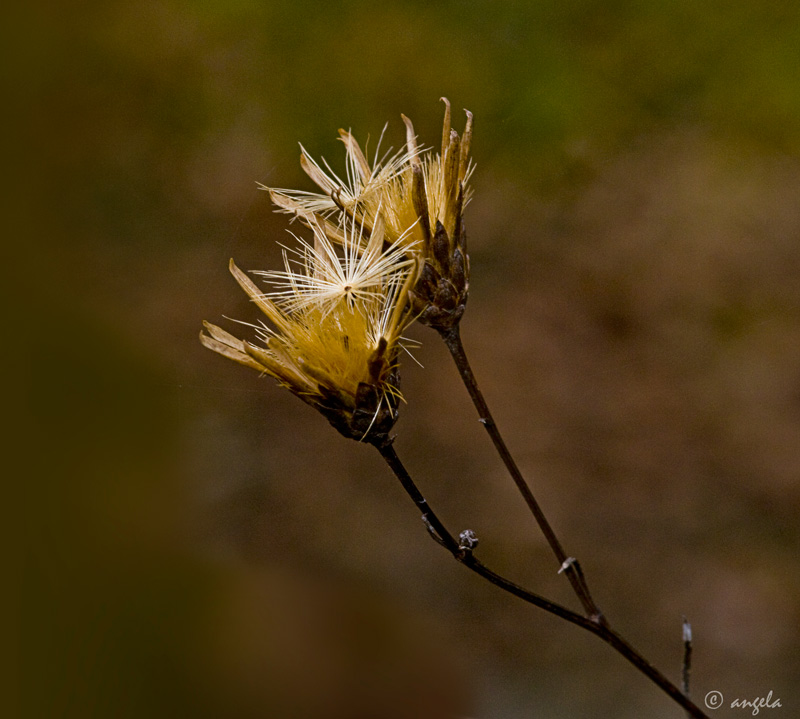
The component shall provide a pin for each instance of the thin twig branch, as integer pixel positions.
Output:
(568, 565)
(464, 555)
(686, 666)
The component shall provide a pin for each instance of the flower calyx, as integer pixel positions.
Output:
(438, 194)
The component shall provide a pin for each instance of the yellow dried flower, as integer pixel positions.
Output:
(418, 197)
(334, 328)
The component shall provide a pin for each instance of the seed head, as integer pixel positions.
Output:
(333, 331)
(416, 198)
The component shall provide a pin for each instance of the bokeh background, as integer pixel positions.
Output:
(198, 543)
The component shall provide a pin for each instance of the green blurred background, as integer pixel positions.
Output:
(200, 543)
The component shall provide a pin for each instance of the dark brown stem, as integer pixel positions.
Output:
(385, 447)
(465, 556)
(686, 666)
(569, 565)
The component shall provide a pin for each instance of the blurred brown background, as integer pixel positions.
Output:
(200, 543)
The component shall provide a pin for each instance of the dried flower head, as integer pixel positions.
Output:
(418, 197)
(438, 193)
(334, 328)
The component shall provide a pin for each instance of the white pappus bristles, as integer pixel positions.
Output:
(355, 270)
